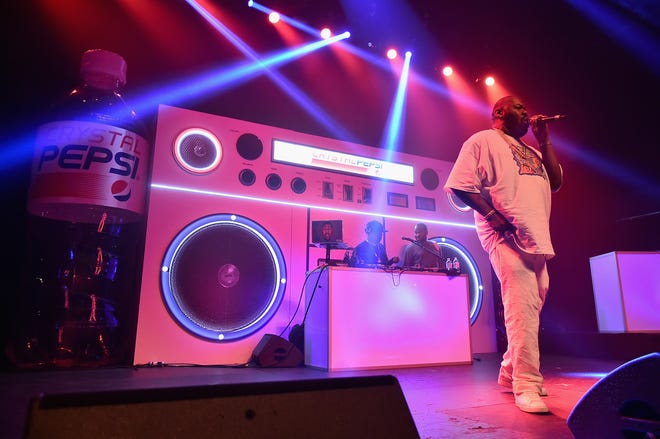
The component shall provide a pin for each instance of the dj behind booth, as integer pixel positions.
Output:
(421, 253)
(371, 251)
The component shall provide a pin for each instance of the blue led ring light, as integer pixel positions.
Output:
(468, 266)
(268, 249)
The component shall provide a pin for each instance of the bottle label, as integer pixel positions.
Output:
(79, 167)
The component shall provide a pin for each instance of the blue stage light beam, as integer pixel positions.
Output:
(16, 152)
(287, 86)
(593, 160)
(378, 61)
(590, 8)
(222, 79)
(642, 43)
(642, 184)
(291, 21)
(392, 135)
(21, 148)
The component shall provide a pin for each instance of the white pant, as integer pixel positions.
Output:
(524, 279)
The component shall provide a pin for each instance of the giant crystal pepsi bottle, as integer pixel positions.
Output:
(86, 221)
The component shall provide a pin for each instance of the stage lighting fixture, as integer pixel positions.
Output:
(325, 33)
(447, 71)
(274, 17)
(489, 81)
(392, 53)
(261, 65)
(284, 18)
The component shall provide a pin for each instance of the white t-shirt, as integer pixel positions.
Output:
(513, 180)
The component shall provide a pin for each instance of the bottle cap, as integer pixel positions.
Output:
(104, 61)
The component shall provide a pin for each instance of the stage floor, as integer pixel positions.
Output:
(445, 401)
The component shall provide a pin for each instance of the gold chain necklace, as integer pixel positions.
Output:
(528, 165)
(520, 147)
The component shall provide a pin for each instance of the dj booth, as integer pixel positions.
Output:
(364, 318)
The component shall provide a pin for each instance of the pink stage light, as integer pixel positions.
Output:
(326, 33)
(489, 81)
(392, 53)
(274, 17)
(447, 71)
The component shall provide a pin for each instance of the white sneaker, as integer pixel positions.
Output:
(506, 383)
(531, 402)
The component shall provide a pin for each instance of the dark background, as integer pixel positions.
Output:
(556, 58)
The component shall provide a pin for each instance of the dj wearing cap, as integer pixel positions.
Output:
(371, 251)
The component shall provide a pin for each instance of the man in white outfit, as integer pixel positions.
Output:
(508, 184)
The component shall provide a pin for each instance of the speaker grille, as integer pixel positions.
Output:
(430, 179)
(249, 146)
(197, 151)
(223, 277)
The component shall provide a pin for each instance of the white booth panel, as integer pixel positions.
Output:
(627, 291)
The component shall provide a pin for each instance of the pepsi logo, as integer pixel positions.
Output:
(121, 190)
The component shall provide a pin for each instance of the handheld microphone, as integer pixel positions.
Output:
(405, 238)
(547, 118)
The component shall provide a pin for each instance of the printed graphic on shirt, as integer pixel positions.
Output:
(527, 161)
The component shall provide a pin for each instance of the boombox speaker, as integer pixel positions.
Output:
(324, 408)
(274, 351)
(625, 403)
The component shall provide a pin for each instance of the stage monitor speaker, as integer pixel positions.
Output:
(623, 404)
(274, 351)
(322, 408)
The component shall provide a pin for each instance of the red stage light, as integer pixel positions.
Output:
(326, 33)
(489, 81)
(447, 71)
(392, 53)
